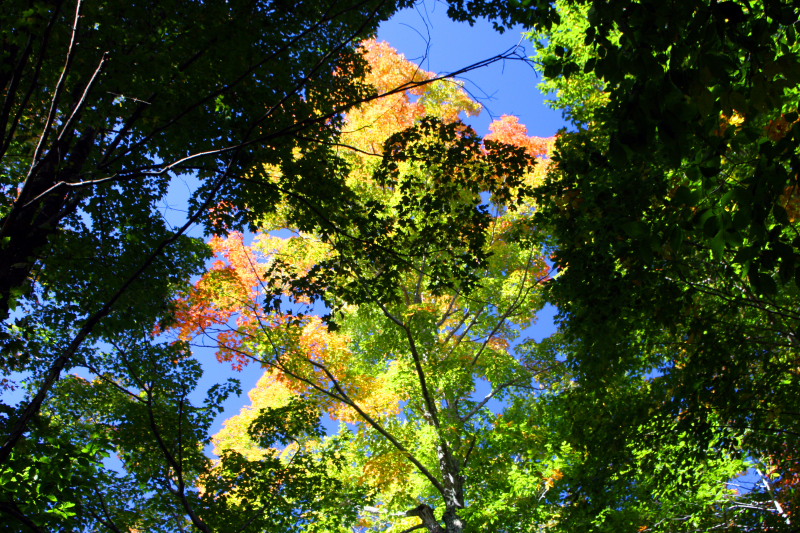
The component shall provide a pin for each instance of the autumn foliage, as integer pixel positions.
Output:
(446, 317)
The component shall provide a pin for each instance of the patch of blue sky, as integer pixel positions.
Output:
(425, 35)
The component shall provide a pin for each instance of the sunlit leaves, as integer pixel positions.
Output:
(429, 279)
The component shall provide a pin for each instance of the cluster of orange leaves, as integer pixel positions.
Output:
(216, 213)
(790, 201)
(509, 130)
(371, 123)
(779, 128)
(227, 291)
(225, 303)
(550, 481)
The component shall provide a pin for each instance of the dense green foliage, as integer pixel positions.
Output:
(426, 294)
(673, 213)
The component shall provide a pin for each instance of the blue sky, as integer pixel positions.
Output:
(425, 35)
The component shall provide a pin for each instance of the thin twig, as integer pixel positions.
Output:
(57, 92)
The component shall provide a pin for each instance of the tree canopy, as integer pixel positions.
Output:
(428, 285)
(383, 263)
(671, 208)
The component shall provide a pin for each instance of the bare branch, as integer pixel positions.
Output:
(59, 89)
(79, 106)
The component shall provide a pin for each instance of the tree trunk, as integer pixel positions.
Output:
(452, 521)
(428, 519)
(453, 488)
(453, 497)
(36, 214)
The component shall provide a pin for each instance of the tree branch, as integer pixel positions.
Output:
(425, 513)
(380, 429)
(16, 77)
(53, 374)
(523, 291)
(59, 89)
(426, 395)
(491, 395)
(177, 467)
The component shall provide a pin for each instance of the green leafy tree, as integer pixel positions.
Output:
(409, 342)
(672, 214)
(141, 409)
(96, 122)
